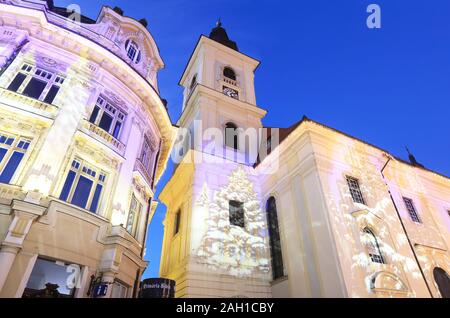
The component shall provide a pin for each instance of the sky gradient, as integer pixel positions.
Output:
(389, 87)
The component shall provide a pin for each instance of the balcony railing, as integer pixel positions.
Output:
(229, 81)
(103, 136)
(139, 166)
(10, 192)
(18, 100)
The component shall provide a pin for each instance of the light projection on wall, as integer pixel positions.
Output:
(398, 274)
(238, 251)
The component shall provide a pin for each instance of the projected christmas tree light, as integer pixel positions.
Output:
(240, 251)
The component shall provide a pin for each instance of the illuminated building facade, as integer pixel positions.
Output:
(84, 138)
(323, 214)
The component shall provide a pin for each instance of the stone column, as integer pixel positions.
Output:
(108, 278)
(7, 257)
(24, 215)
(46, 167)
(125, 179)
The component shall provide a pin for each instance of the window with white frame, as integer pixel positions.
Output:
(84, 186)
(119, 290)
(134, 216)
(355, 190)
(37, 83)
(372, 246)
(108, 117)
(147, 156)
(412, 210)
(133, 51)
(12, 151)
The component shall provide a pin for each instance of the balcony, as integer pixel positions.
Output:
(139, 167)
(26, 103)
(229, 81)
(103, 136)
(10, 192)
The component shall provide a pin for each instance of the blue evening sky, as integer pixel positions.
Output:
(389, 87)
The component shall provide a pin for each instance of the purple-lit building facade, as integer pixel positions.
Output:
(84, 139)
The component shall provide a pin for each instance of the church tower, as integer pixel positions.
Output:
(215, 232)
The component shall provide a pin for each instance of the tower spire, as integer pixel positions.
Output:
(219, 34)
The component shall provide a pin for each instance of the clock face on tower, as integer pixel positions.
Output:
(231, 92)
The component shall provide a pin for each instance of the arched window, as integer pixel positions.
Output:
(373, 248)
(442, 279)
(228, 72)
(231, 136)
(133, 51)
(274, 236)
(193, 82)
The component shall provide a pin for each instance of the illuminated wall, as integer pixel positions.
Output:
(235, 250)
(84, 139)
(316, 208)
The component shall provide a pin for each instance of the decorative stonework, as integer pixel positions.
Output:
(89, 151)
(11, 123)
(118, 101)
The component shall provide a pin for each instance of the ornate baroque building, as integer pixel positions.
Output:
(84, 138)
(323, 214)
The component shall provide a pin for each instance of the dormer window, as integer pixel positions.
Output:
(133, 51)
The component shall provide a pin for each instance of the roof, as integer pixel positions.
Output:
(219, 34)
(285, 132)
(64, 12)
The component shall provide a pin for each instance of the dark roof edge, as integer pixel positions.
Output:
(306, 119)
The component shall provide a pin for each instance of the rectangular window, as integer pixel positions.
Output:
(51, 279)
(83, 186)
(51, 94)
(147, 156)
(39, 84)
(12, 151)
(17, 82)
(355, 191)
(177, 221)
(412, 210)
(134, 216)
(237, 215)
(34, 88)
(108, 117)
